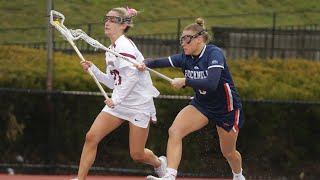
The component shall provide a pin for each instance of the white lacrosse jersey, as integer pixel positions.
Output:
(131, 87)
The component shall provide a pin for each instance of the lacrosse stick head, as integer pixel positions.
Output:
(79, 34)
(57, 20)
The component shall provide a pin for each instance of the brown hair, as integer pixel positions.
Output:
(197, 27)
(127, 14)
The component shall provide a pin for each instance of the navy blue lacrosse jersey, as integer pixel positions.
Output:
(217, 102)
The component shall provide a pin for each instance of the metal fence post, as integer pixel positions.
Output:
(273, 33)
(49, 48)
(178, 35)
(50, 123)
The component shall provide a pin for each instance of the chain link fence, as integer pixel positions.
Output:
(43, 133)
(245, 37)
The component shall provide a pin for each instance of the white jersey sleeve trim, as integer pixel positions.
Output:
(216, 66)
(170, 61)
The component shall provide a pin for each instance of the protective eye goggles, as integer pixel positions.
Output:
(116, 19)
(188, 38)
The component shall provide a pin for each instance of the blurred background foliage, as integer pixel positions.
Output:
(290, 79)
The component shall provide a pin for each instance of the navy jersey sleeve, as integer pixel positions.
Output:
(177, 60)
(208, 84)
(216, 59)
(157, 63)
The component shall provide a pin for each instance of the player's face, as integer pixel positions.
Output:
(189, 42)
(113, 25)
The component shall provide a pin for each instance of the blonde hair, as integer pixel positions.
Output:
(197, 27)
(127, 14)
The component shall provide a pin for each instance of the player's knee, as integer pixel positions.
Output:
(137, 156)
(174, 133)
(90, 137)
(230, 155)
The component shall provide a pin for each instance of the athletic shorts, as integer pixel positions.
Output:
(232, 120)
(138, 117)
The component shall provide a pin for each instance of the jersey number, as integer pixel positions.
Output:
(116, 77)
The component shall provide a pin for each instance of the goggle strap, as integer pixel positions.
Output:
(201, 32)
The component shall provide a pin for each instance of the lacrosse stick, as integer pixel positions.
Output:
(79, 34)
(55, 16)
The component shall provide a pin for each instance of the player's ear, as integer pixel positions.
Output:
(199, 39)
(123, 26)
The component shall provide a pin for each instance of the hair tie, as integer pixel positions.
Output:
(131, 12)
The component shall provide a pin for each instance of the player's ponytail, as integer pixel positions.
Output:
(200, 22)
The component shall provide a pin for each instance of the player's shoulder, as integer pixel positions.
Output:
(124, 42)
(211, 47)
(213, 50)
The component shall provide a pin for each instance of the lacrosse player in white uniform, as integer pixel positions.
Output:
(132, 97)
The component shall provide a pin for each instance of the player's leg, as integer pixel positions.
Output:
(188, 120)
(137, 141)
(228, 148)
(228, 142)
(228, 130)
(137, 138)
(103, 125)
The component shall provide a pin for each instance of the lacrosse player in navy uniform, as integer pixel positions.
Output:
(132, 97)
(216, 98)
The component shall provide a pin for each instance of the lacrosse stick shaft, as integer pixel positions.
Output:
(133, 62)
(160, 75)
(66, 33)
(89, 70)
(79, 34)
